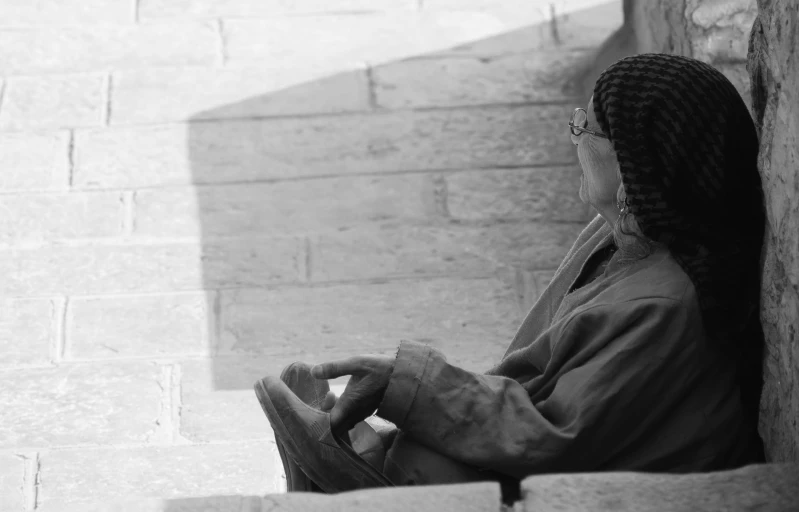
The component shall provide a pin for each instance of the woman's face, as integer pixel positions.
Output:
(600, 181)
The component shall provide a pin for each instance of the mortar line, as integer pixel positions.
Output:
(136, 8)
(30, 481)
(61, 328)
(71, 160)
(220, 30)
(308, 260)
(164, 432)
(371, 86)
(176, 402)
(108, 86)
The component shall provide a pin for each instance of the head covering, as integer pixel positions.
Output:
(687, 149)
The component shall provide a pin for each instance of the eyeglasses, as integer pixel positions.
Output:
(579, 121)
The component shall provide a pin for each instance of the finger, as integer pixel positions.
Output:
(328, 402)
(339, 368)
(350, 410)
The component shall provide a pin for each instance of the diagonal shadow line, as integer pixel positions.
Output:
(307, 187)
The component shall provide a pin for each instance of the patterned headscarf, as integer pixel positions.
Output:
(687, 150)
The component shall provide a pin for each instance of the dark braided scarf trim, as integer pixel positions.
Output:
(687, 149)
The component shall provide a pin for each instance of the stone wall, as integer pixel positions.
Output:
(718, 32)
(774, 69)
(713, 31)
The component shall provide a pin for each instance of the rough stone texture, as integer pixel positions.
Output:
(774, 69)
(293, 207)
(148, 325)
(713, 31)
(301, 147)
(53, 217)
(34, 161)
(183, 9)
(21, 13)
(144, 268)
(767, 487)
(426, 82)
(417, 251)
(166, 94)
(53, 102)
(12, 474)
(27, 331)
(250, 468)
(473, 319)
(103, 47)
(79, 405)
(543, 194)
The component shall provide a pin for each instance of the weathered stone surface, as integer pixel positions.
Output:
(149, 325)
(171, 94)
(103, 47)
(292, 207)
(60, 216)
(425, 82)
(31, 103)
(166, 472)
(474, 497)
(183, 9)
(27, 331)
(543, 194)
(21, 13)
(472, 321)
(774, 70)
(224, 151)
(143, 268)
(768, 487)
(84, 404)
(34, 161)
(451, 250)
(12, 475)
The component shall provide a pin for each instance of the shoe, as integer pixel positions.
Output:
(307, 438)
(297, 376)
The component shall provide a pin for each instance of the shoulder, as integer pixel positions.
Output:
(658, 276)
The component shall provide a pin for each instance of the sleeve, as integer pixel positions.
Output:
(617, 367)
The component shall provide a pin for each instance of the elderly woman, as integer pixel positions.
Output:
(642, 354)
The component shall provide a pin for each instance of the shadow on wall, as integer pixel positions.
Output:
(336, 179)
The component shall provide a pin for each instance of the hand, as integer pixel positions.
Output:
(369, 377)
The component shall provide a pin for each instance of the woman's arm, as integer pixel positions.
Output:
(619, 367)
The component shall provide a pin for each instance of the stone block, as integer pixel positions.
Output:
(183, 9)
(160, 94)
(249, 150)
(435, 82)
(151, 267)
(73, 476)
(60, 216)
(768, 487)
(34, 161)
(31, 103)
(134, 326)
(27, 331)
(774, 70)
(104, 47)
(22, 13)
(542, 194)
(284, 208)
(471, 320)
(347, 42)
(97, 404)
(471, 497)
(12, 483)
(434, 251)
